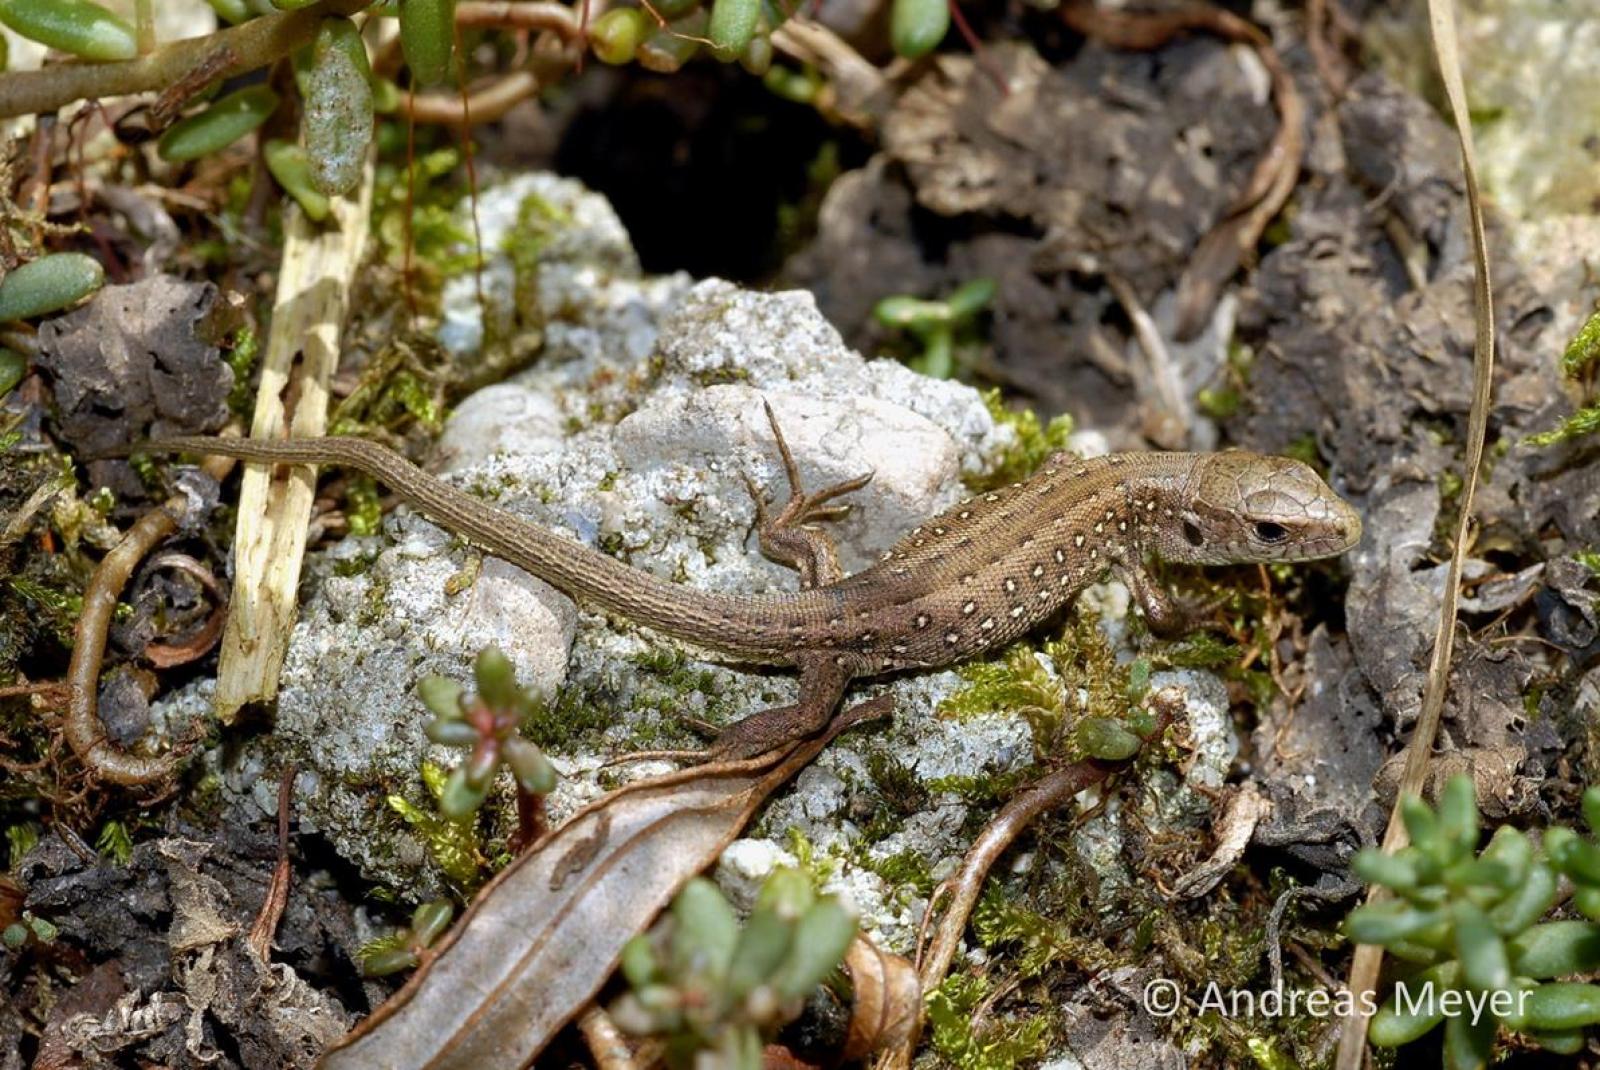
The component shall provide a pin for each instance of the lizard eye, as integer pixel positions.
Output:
(1191, 533)
(1267, 531)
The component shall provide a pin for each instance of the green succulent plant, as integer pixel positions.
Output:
(935, 324)
(1467, 925)
(404, 949)
(486, 726)
(715, 991)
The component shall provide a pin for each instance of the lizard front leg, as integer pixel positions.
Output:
(1166, 616)
(788, 537)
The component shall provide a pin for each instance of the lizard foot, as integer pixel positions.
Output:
(787, 537)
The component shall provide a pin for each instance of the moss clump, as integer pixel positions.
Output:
(1034, 442)
(1000, 1045)
(454, 846)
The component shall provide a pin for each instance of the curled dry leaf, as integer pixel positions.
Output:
(545, 934)
(887, 1012)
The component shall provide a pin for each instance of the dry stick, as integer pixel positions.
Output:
(266, 923)
(606, 1043)
(1368, 957)
(961, 889)
(254, 44)
(319, 263)
(81, 725)
(481, 106)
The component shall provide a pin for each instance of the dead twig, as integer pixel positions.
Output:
(266, 924)
(480, 106)
(81, 725)
(254, 44)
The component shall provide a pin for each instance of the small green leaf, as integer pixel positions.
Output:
(441, 695)
(1578, 858)
(232, 12)
(1555, 949)
(451, 733)
(337, 121)
(616, 35)
(1591, 796)
(1388, 920)
(1562, 1005)
(1391, 871)
(1587, 900)
(706, 931)
(639, 965)
(1527, 903)
(15, 935)
(219, 125)
(1484, 964)
(461, 797)
(733, 23)
(1568, 1042)
(497, 678)
(820, 941)
(763, 945)
(787, 892)
(392, 960)
(427, 37)
(667, 50)
(1105, 738)
(290, 167)
(530, 766)
(77, 27)
(13, 366)
(1397, 1022)
(970, 298)
(1458, 813)
(430, 920)
(1469, 1044)
(1420, 822)
(917, 26)
(48, 284)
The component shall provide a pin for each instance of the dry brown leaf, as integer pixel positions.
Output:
(887, 1011)
(544, 935)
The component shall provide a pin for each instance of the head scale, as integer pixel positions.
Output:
(1240, 507)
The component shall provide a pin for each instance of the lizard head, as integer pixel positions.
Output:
(1239, 507)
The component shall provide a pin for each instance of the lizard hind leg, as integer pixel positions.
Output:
(822, 686)
(789, 537)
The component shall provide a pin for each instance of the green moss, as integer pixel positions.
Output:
(1078, 677)
(20, 839)
(1001, 1045)
(1034, 442)
(1040, 941)
(1584, 349)
(538, 222)
(452, 845)
(114, 843)
(1589, 559)
(906, 869)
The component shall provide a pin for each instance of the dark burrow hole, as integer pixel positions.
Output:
(711, 172)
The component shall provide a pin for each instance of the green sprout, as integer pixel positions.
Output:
(713, 991)
(405, 948)
(936, 323)
(1467, 924)
(486, 726)
(28, 929)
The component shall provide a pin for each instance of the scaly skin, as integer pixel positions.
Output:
(982, 573)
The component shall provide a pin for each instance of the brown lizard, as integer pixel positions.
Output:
(981, 573)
